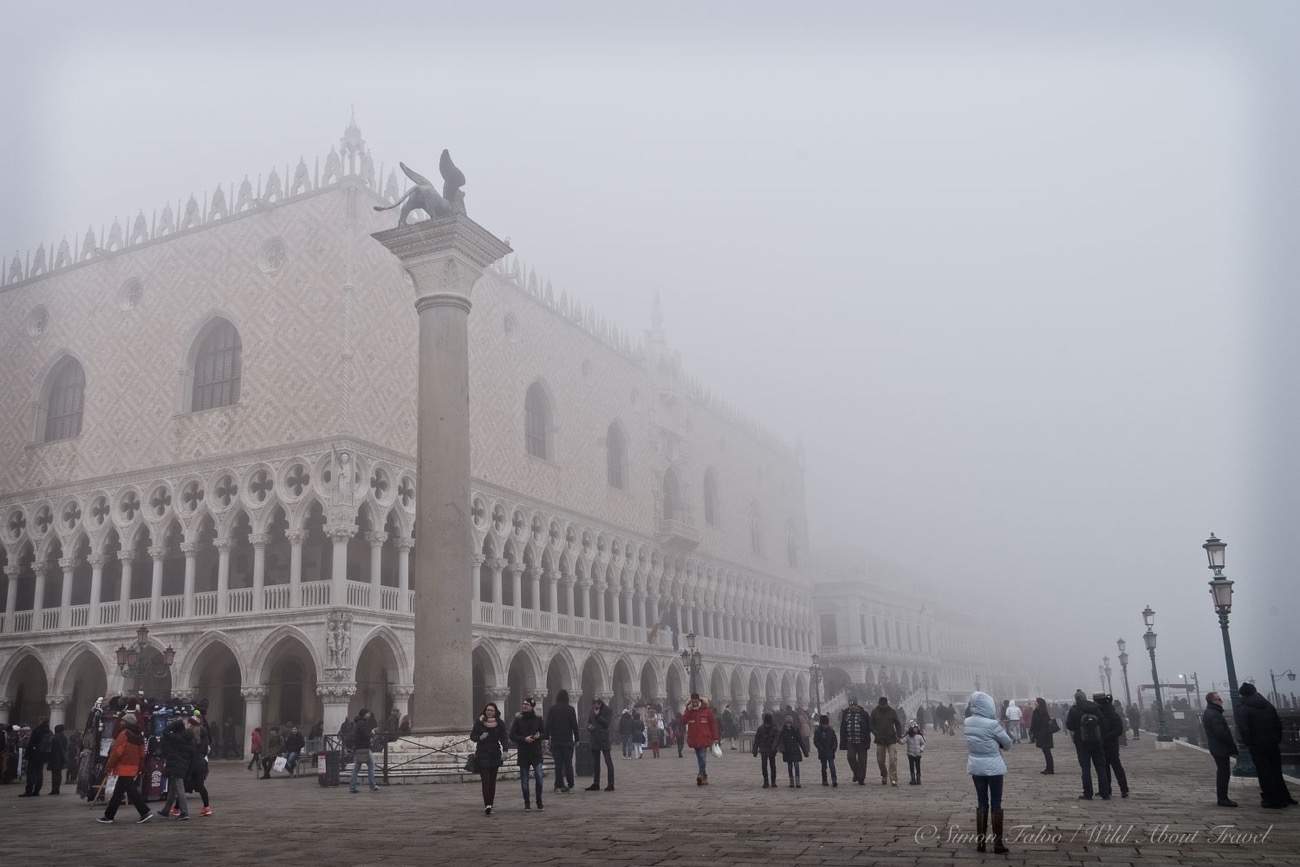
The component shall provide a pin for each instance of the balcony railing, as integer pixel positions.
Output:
(172, 607)
(205, 603)
(315, 593)
(23, 621)
(240, 600)
(388, 598)
(110, 612)
(50, 618)
(140, 610)
(275, 597)
(358, 594)
(79, 616)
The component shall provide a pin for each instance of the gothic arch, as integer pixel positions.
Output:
(193, 340)
(258, 669)
(6, 672)
(486, 649)
(385, 634)
(59, 682)
(49, 375)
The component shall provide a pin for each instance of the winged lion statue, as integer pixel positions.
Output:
(424, 197)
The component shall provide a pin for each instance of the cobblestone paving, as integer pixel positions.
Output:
(659, 816)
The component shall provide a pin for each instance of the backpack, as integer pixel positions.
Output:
(1090, 729)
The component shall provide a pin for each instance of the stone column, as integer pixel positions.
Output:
(339, 535)
(223, 575)
(11, 597)
(259, 542)
(401, 693)
(553, 592)
(444, 258)
(96, 562)
(58, 709)
(497, 567)
(600, 601)
(38, 600)
(66, 565)
(189, 549)
(334, 699)
(295, 567)
(376, 541)
(517, 590)
(126, 559)
(156, 554)
(652, 618)
(535, 587)
(584, 593)
(404, 546)
(569, 581)
(254, 696)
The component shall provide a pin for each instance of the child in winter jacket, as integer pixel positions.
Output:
(793, 749)
(915, 746)
(767, 740)
(826, 742)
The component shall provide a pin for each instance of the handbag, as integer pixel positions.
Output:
(280, 764)
(717, 751)
(471, 763)
(1055, 727)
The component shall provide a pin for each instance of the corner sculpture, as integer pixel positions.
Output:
(423, 196)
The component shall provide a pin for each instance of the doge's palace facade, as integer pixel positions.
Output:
(207, 424)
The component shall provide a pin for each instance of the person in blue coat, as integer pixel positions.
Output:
(985, 741)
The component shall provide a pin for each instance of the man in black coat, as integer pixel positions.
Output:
(528, 734)
(38, 752)
(1112, 728)
(562, 727)
(1222, 745)
(58, 760)
(1085, 726)
(1261, 730)
(855, 738)
(598, 722)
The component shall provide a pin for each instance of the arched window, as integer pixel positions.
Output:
(63, 401)
(711, 497)
(755, 530)
(216, 366)
(672, 496)
(616, 456)
(537, 421)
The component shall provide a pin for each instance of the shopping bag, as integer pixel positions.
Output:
(280, 765)
(717, 751)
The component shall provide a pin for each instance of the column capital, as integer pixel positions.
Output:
(340, 531)
(497, 694)
(376, 538)
(66, 563)
(253, 693)
(40, 567)
(294, 537)
(222, 545)
(11, 570)
(406, 543)
(189, 549)
(55, 701)
(444, 256)
(337, 692)
(259, 539)
(4, 704)
(97, 561)
(478, 559)
(157, 552)
(402, 691)
(126, 556)
(184, 693)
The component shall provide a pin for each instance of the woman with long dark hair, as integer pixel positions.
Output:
(491, 740)
(1040, 730)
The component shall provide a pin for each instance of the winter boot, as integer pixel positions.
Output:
(998, 848)
(981, 827)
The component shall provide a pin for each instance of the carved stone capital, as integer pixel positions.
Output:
(402, 691)
(126, 556)
(406, 543)
(157, 552)
(341, 531)
(259, 539)
(295, 537)
(67, 563)
(41, 568)
(498, 694)
(253, 693)
(336, 692)
(97, 561)
(376, 539)
(184, 693)
(55, 701)
(222, 545)
(189, 549)
(11, 570)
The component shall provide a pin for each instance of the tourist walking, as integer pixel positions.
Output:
(1261, 731)
(985, 740)
(855, 738)
(1135, 719)
(767, 740)
(562, 731)
(638, 735)
(124, 759)
(38, 753)
(1013, 721)
(363, 728)
(826, 743)
(197, 781)
(915, 747)
(793, 750)
(887, 731)
(528, 734)
(679, 732)
(490, 743)
(177, 753)
(58, 758)
(1042, 725)
(656, 725)
(598, 723)
(255, 747)
(271, 751)
(1112, 729)
(701, 734)
(1222, 746)
(1085, 726)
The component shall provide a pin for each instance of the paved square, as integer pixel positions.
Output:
(659, 816)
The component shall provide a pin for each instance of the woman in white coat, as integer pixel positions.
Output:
(985, 741)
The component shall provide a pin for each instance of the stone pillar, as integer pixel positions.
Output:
(569, 581)
(376, 541)
(497, 566)
(223, 575)
(444, 258)
(66, 565)
(402, 693)
(517, 589)
(535, 587)
(259, 542)
(38, 600)
(125, 559)
(96, 562)
(339, 536)
(600, 601)
(189, 549)
(334, 699)
(295, 567)
(4, 706)
(11, 597)
(652, 618)
(553, 591)
(584, 593)
(156, 554)
(254, 696)
(58, 709)
(404, 546)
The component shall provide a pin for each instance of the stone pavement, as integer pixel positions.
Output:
(659, 816)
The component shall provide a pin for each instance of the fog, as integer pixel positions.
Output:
(1015, 279)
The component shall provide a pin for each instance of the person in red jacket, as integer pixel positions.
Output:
(125, 759)
(701, 734)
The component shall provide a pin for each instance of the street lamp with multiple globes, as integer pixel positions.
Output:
(1106, 662)
(1221, 594)
(815, 677)
(134, 663)
(1123, 666)
(1101, 676)
(1288, 674)
(1149, 637)
(693, 661)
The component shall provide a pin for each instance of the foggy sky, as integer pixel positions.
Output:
(1003, 274)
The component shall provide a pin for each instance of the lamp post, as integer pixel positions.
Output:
(1123, 666)
(1221, 594)
(815, 676)
(1106, 662)
(131, 660)
(692, 660)
(1149, 637)
(1101, 677)
(1288, 674)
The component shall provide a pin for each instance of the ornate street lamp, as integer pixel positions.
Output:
(1110, 690)
(1149, 637)
(133, 660)
(815, 675)
(1101, 676)
(1288, 674)
(1123, 665)
(693, 661)
(1221, 594)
